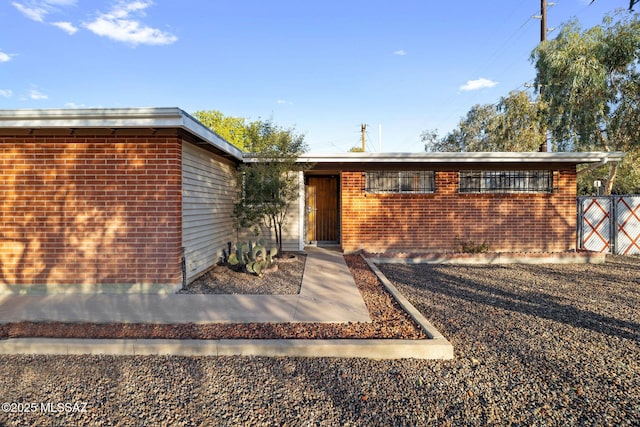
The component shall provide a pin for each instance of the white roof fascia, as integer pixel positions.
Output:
(115, 118)
(175, 117)
(467, 157)
(197, 128)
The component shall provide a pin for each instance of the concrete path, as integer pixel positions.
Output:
(328, 294)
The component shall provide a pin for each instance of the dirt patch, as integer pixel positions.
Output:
(221, 279)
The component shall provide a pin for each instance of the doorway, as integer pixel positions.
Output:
(322, 209)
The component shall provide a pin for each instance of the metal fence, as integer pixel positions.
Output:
(609, 224)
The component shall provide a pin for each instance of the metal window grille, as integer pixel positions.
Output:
(531, 181)
(381, 182)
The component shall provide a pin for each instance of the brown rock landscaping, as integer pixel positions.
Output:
(221, 279)
(388, 320)
(536, 345)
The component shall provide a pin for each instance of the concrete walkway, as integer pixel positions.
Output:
(328, 294)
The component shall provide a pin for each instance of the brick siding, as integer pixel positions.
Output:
(97, 207)
(431, 222)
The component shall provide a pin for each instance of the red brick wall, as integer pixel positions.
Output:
(431, 222)
(92, 209)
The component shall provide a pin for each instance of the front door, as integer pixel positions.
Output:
(322, 208)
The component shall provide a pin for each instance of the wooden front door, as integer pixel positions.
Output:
(322, 208)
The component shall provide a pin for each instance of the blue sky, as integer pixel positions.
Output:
(323, 67)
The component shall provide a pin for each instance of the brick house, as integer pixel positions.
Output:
(140, 200)
(515, 202)
(105, 200)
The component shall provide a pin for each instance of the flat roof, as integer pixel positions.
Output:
(465, 157)
(116, 118)
(177, 118)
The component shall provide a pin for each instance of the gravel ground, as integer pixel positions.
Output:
(221, 279)
(388, 321)
(535, 345)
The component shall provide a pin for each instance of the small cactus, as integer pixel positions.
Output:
(255, 259)
(249, 267)
(233, 259)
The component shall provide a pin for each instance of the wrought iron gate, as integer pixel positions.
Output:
(609, 224)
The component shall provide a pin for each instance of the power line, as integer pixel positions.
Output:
(491, 60)
(369, 146)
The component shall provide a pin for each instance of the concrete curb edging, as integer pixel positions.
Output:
(436, 347)
(495, 258)
(425, 325)
(345, 348)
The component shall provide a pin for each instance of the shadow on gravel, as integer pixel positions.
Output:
(532, 303)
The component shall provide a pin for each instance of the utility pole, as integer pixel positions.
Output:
(544, 5)
(543, 37)
(363, 130)
(543, 20)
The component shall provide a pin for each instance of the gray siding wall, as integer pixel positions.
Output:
(291, 235)
(208, 193)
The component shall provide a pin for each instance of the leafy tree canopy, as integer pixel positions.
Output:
(511, 125)
(232, 129)
(590, 101)
(590, 81)
(268, 184)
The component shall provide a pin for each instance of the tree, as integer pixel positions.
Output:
(590, 82)
(268, 182)
(472, 134)
(232, 129)
(520, 123)
(627, 178)
(514, 124)
(632, 3)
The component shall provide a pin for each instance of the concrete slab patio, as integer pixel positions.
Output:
(328, 294)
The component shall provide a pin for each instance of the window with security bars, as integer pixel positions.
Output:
(381, 182)
(529, 181)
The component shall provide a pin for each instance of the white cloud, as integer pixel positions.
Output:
(400, 52)
(36, 95)
(6, 93)
(67, 27)
(119, 25)
(35, 13)
(37, 10)
(480, 83)
(4, 57)
(284, 102)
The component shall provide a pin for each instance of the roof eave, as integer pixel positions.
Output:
(476, 157)
(116, 118)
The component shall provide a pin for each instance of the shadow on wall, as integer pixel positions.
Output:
(86, 212)
(437, 222)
